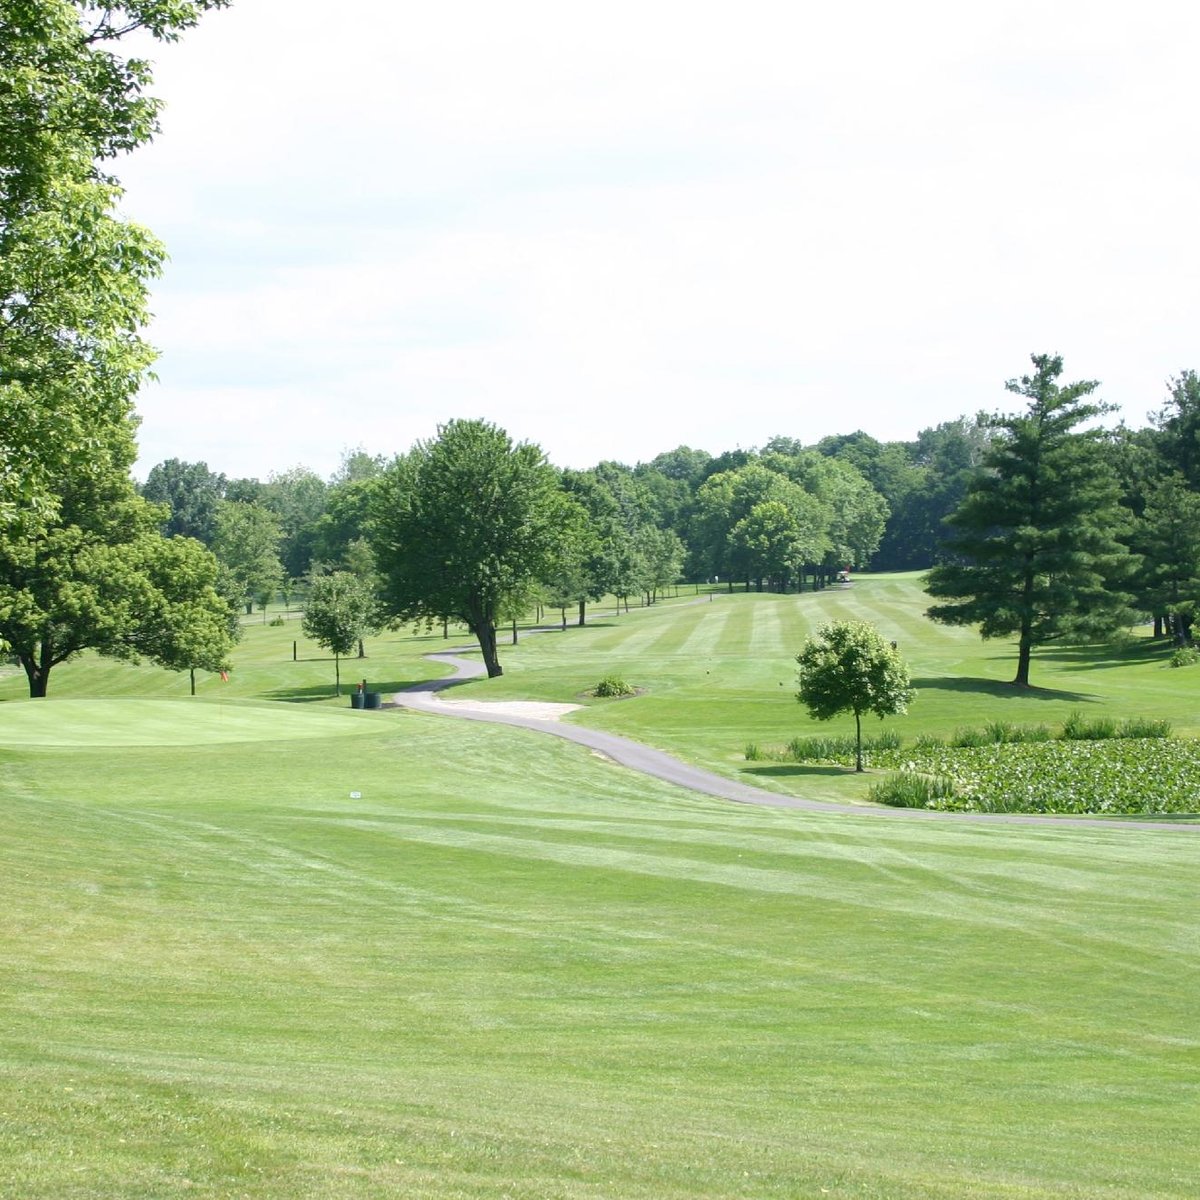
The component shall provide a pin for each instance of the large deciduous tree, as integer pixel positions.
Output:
(73, 277)
(193, 494)
(1034, 549)
(98, 575)
(247, 542)
(848, 667)
(464, 522)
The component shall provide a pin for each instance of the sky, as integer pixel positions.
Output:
(616, 229)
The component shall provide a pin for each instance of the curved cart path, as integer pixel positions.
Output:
(424, 697)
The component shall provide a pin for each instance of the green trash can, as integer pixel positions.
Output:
(356, 699)
(373, 699)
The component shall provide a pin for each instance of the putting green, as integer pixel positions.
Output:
(172, 723)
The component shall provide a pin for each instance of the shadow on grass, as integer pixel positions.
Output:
(306, 695)
(1002, 691)
(1105, 657)
(790, 770)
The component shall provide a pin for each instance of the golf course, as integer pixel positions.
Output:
(259, 944)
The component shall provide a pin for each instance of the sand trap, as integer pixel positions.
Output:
(512, 708)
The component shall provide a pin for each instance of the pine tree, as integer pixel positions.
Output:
(1034, 549)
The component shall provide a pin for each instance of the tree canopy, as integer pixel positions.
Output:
(339, 611)
(73, 277)
(848, 667)
(1034, 549)
(464, 522)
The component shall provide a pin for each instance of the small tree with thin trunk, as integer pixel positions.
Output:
(339, 610)
(848, 667)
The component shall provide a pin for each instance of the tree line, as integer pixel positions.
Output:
(1044, 525)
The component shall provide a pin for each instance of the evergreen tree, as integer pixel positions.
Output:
(1168, 538)
(1034, 549)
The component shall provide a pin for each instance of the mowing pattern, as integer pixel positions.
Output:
(506, 969)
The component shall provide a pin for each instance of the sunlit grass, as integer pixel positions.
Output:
(286, 949)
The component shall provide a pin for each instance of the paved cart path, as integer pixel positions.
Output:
(544, 718)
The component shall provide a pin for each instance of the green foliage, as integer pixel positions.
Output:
(1184, 656)
(247, 542)
(830, 749)
(848, 667)
(73, 277)
(1078, 728)
(340, 610)
(611, 686)
(1144, 727)
(1034, 549)
(464, 523)
(909, 790)
(97, 574)
(193, 494)
(1115, 775)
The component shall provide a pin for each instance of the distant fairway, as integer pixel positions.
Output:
(442, 960)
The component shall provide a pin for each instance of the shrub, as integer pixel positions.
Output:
(1002, 731)
(1076, 728)
(908, 790)
(1144, 727)
(276, 621)
(964, 738)
(752, 752)
(1185, 656)
(613, 685)
(829, 748)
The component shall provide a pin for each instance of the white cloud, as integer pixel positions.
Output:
(615, 230)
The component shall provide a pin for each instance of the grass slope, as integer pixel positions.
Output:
(506, 968)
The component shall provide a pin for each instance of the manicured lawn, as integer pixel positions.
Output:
(719, 675)
(280, 950)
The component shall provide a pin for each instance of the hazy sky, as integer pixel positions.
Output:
(614, 229)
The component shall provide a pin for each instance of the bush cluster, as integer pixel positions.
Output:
(613, 685)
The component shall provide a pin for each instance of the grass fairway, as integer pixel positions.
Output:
(272, 950)
(509, 969)
(720, 674)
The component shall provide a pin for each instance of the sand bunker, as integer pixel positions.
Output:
(535, 709)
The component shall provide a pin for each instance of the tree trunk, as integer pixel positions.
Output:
(192, 677)
(361, 651)
(485, 631)
(37, 676)
(858, 766)
(1025, 642)
(514, 631)
(337, 674)
(583, 612)
(1158, 627)
(563, 613)
(1024, 654)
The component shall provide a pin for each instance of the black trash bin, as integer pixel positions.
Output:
(356, 699)
(373, 699)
